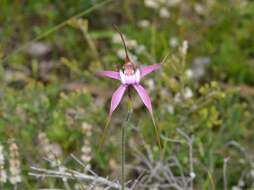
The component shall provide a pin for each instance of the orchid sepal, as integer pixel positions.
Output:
(148, 69)
(110, 74)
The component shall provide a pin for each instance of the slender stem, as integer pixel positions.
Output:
(123, 145)
(225, 173)
(123, 159)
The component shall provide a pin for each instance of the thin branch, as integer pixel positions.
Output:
(41, 173)
(225, 173)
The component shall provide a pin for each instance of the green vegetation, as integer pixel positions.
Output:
(205, 87)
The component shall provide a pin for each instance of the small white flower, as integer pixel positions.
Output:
(86, 158)
(189, 73)
(241, 183)
(172, 3)
(1, 155)
(177, 97)
(199, 8)
(15, 169)
(170, 109)
(150, 84)
(15, 179)
(188, 93)
(164, 13)
(121, 54)
(173, 42)
(198, 66)
(51, 151)
(86, 149)
(192, 175)
(144, 23)
(140, 49)
(184, 47)
(236, 188)
(131, 43)
(86, 127)
(3, 175)
(252, 173)
(152, 4)
(116, 39)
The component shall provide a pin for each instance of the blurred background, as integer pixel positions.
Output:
(53, 105)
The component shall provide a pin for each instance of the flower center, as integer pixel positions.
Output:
(128, 71)
(128, 68)
(129, 74)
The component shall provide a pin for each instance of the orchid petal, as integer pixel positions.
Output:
(115, 101)
(148, 69)
(110, 74)
(116, 98)
(147, 101)
(144, 97)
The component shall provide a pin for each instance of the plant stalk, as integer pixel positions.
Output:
(123, 145)
(123, 159)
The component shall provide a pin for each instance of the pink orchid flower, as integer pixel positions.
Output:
(130, 76)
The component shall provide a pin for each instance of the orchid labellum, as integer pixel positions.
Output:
(130, 76)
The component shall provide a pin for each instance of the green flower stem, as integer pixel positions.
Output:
(123, 145)
(123, 159)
